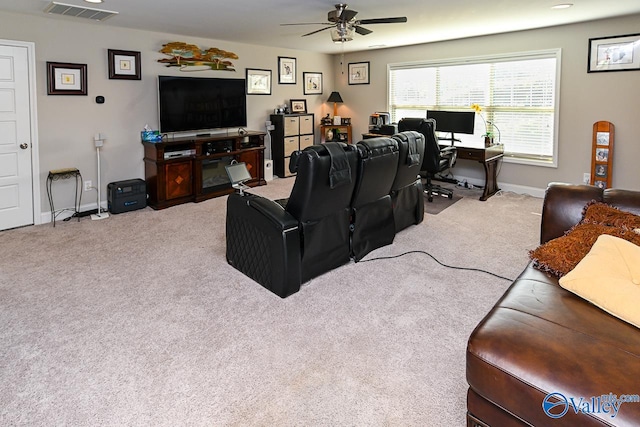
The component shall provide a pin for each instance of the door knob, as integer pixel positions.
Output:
(24, 145)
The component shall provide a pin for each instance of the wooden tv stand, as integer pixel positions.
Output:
(191, 169)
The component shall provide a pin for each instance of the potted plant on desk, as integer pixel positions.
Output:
(488, 134)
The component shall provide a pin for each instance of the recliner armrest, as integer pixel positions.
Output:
(272, 211)
(263, 242)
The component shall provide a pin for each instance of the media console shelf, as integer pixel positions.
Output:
(191, 169)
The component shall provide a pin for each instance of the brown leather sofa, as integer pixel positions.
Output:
(543, 350)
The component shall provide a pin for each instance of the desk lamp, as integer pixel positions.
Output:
(335, 98)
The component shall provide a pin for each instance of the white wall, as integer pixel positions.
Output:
(585, 98)
(66, 124)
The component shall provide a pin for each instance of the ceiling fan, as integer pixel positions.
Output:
(342, 23)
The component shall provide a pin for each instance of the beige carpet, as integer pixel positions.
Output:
(138, 320)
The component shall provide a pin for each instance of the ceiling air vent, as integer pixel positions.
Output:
(56, 8)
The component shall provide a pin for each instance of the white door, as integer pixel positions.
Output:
(16, 179)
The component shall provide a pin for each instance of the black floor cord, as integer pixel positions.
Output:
(442, 264)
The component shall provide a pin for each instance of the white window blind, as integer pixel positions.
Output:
(517, 93)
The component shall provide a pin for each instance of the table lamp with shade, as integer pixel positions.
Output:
(335, 98)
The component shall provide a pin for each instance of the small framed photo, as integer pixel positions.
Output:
(616, 53)
(312, 83)
(286, 70)
(258, 81)
(298, 105)
(359, 73)
(602, 154)
(600, 184)
(124, 65)
(602, 138)
(601, 171)
(66, 78)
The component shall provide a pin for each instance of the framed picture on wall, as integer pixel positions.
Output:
(359, 73)
(286, 70)
(312, 83)
(258, 81)
(617, 53)
(66, 78)
(124, 65)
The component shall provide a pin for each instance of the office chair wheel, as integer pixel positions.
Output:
(450, 196)
(430, 198)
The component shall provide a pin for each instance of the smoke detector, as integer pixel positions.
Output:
(56, 8)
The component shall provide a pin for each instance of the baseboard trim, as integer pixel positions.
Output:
(523, 189)
(45, 217)
(519, 189)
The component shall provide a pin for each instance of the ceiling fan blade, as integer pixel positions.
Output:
(348, 15)
(397, 20)
(317, 31)
(362, 31)
(306, 23)
(341, 14)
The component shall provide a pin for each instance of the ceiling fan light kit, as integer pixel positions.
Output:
(343, 24)
(341, 34)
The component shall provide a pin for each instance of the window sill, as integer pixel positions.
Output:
(547, 163)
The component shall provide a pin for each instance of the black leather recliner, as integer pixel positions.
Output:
(436, 159)
(372, 220)
(407, 189)
(346, 201)
(283, 247)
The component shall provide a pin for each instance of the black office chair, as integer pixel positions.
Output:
(436, 159)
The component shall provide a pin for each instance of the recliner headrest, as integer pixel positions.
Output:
(340, 171)
(293, 162)
(411, 138)
(377, 146)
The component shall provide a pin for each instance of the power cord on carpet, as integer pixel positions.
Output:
(441, 263)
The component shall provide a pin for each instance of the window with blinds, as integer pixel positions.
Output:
(518, 94)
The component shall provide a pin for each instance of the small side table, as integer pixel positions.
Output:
(56, 175)
(339, 133)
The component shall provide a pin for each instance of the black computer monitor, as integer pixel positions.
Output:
(453, 122)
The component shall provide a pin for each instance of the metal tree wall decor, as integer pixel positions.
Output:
(190, 57)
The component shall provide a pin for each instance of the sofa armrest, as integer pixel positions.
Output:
(263, 242)
(563, 206)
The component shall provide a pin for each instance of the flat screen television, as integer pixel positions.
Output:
(197, 104)
(453, 121)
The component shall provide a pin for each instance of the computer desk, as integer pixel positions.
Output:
(488, 156)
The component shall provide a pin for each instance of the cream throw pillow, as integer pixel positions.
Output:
(609, 277)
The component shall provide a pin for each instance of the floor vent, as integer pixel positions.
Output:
(56, 8)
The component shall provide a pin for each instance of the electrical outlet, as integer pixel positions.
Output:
(586, 178)
(87, 185)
